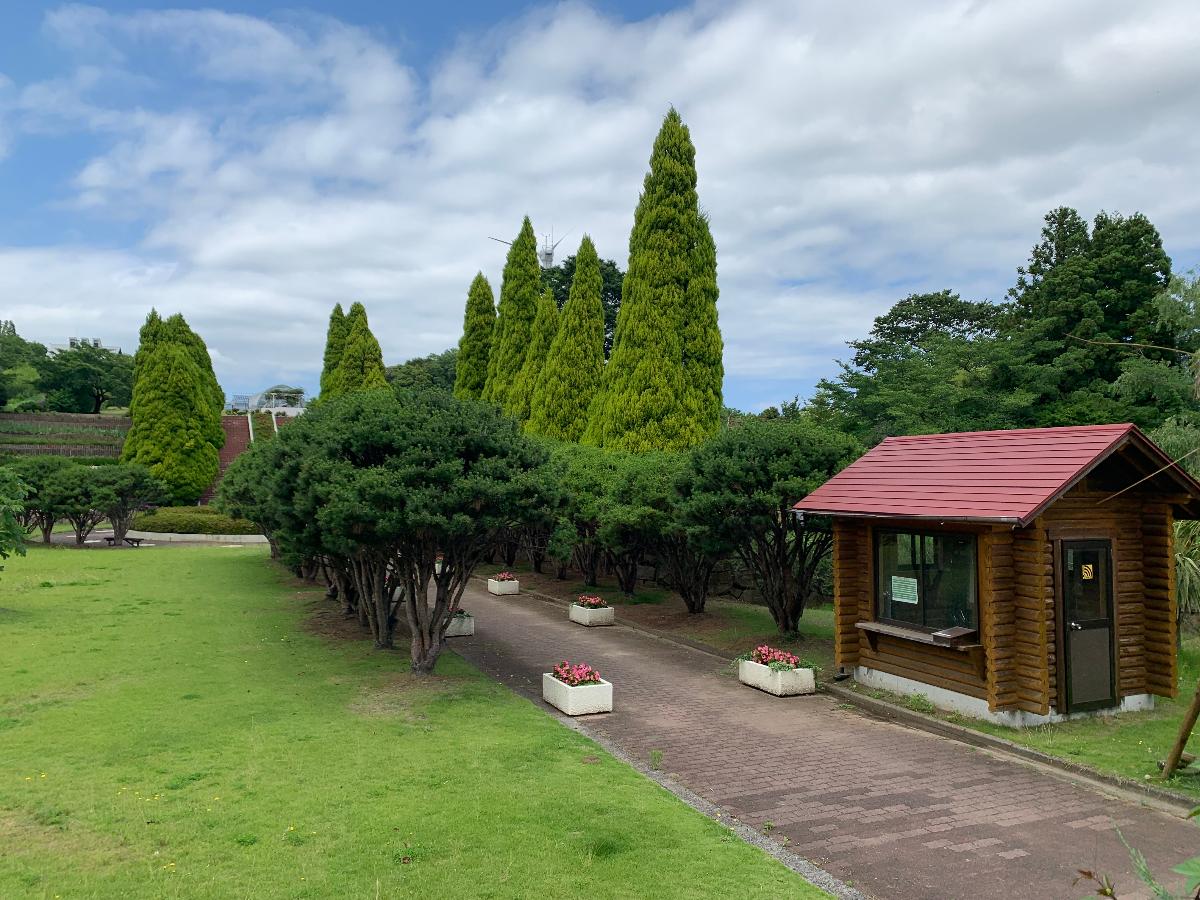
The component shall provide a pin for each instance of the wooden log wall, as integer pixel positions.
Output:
(1160, 599)
(1033, 617)
(998, 618)
(851, 586)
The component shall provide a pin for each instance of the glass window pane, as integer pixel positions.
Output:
(927, 580)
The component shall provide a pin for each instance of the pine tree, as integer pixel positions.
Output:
(646, 401)
(545, 328)
(479, 323)
(170, 432)
(571, 374)
(361, 365)
(335, 340)
(519, 292)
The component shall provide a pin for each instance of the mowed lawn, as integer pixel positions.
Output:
(169, 727)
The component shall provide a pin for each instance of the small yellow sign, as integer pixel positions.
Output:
(1088, 571)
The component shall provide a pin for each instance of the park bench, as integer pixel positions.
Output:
(132, 542)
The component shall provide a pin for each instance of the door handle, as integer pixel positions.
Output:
(1075, 626)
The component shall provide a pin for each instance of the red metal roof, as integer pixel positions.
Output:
(990, 476)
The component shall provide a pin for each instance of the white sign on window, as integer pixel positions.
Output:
(904, 590)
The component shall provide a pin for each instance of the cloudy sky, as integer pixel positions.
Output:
(253, 164)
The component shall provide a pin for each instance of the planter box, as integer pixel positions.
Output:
(577, 701)
(785, 683)
(503, 587)
(461, 626)
(584, 615)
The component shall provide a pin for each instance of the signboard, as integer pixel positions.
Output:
(904, 590)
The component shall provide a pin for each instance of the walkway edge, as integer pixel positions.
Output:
(1160, 798)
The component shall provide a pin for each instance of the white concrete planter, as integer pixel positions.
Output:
(584, 615)
(781, 683)
(503, 587)
(581, 700)
(461, 626)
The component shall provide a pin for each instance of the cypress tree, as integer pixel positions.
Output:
(646, 402)
(545, 328)
(703, 348)
(335, 340)
(573, 369)
(519, 292)
(148, 339)
(361, 365)
(479, 323)
(170, 432)
(177, 330)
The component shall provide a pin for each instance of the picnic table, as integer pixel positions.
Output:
(131, 541)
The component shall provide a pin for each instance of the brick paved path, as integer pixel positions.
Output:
(895, 811)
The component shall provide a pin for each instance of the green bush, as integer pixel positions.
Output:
(192, 520)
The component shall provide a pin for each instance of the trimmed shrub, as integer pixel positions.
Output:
(192, 520)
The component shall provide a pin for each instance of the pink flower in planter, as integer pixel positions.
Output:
(590, 601)
(776, 659)
(576, 674)
(504, 576)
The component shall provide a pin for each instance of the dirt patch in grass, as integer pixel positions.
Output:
(403, 695)
(50, 830)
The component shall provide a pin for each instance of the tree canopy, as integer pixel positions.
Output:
(541, 337)
(335, 342)
(360, 365)
(82, 379)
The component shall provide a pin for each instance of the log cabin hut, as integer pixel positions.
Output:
(1018, 576)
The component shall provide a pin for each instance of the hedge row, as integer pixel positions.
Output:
(192, 520)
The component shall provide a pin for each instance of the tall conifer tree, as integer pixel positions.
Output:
(545, 327)
(335, 341)
(148, 339)
(176, 329)
(171, 428)
(361, 365)
(703, 348)
(479, 323)
(573, 368)
(519, 292)
(646, 401)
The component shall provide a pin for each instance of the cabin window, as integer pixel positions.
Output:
(926, 580)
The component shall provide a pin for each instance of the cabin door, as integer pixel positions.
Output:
(1087, 593)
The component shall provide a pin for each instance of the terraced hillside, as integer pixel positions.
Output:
(62, 434)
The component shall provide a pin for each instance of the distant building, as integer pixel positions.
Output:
(77, 342)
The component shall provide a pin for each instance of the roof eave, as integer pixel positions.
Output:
(843, 514)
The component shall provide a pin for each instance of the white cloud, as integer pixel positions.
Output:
(847, 155)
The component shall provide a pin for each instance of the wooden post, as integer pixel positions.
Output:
(1185, 732)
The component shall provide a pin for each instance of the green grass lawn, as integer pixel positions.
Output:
(170, 727)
